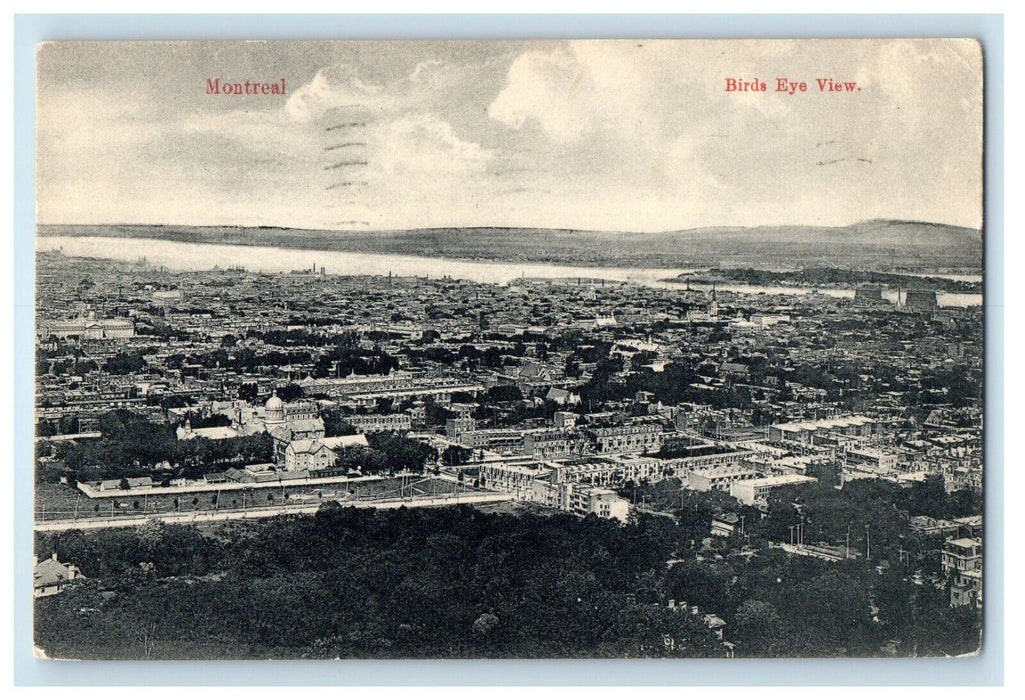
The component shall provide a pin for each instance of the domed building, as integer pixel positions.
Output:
(299, 420)
(274, 410)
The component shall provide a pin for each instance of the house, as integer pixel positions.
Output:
(562, 397)
(50, 577)
(966, 589)
(734, 370)
(963, 554)
(140, 482)
(725, 524)
(110, 484)
(933, 526)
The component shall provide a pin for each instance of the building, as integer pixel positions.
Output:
(377, 423)
(641, 468)
(90, 328)
(815, 431)
(970, 526)
(456, 427)
(966, 589)
(319, 453)
(308, 455)
(720, 478)
(562, 397)
(725, 524)
(868, 293)
(277, 411)
(50, 577)
(921, 300)
(963, 554)
(553, 443)
(512, 478)
(752, 491)
(763, 320)
(167, 297)
(564, 419)
(870, 459)
(605, 503)
(962, 565)
(629, 437)
(933, 526)
(366, 390)
(287, 423)
(547, 486)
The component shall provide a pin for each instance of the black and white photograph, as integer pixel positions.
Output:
(508, 349)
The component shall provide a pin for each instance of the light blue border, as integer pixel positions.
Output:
(986, 669)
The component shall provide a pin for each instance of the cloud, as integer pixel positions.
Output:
(547, 88)
(335, 88)
(423, 144)
(341, 87)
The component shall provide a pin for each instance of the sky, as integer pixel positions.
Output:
(630, 135)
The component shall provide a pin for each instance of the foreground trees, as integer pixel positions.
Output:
(457, 582)
(348, 582)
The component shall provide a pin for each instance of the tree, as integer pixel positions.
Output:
(455, 455)
(125, 363)
(248, 392)
(758, 628)
(290, 392)
(503, 393)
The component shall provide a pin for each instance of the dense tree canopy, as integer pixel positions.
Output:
(349, 582)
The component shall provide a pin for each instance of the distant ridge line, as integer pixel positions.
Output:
(881, 245)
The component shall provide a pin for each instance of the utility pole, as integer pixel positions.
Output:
(868, 544)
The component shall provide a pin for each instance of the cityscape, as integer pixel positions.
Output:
(834, 439)
(385, 437)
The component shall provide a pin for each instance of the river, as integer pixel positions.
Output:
(206, 256)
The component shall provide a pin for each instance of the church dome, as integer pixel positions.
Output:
(275, 408)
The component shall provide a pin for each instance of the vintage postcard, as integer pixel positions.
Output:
(509, 349)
